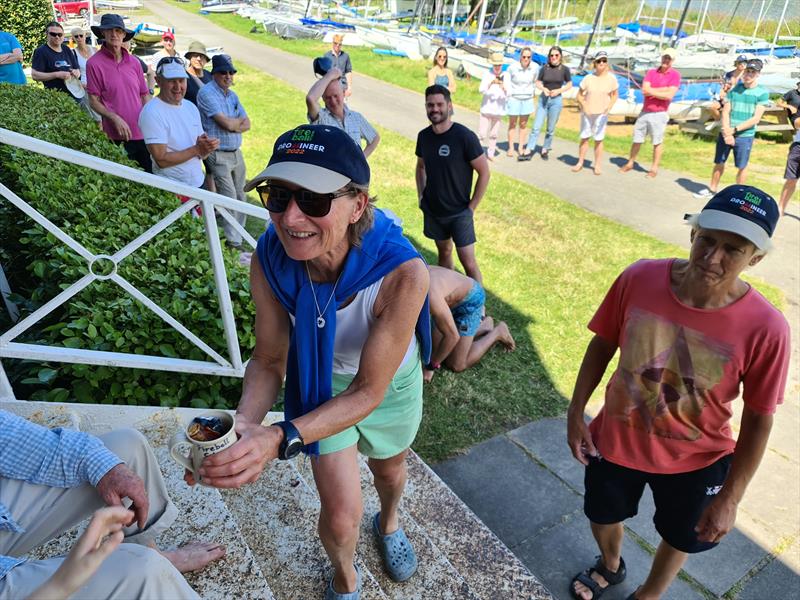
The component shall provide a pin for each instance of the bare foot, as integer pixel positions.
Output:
(510, 153)
(427, 375)
(194, 555)
(596, 170)
(577, 168)
(505, 337)
(651, 174)
(626, 167)
(485, 327)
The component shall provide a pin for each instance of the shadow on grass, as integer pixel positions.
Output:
(502, 392)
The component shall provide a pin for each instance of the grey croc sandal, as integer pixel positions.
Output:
(331, 594)
(398, 555)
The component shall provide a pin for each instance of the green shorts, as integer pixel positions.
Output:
(390, 428)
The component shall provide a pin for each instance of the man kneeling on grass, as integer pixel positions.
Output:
(461, 336)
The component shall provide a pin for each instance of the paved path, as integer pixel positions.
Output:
(547, 530)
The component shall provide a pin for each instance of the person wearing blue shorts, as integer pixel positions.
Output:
(746, 104)
(519, 80)
(461, 334)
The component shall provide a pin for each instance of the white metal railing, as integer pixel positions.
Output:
(211, 204)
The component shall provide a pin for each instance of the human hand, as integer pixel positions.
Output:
(100, 539)
(120, 482)
(63, 75)
(579, 438)
(244, 461)
(717, 519)
(76, 73)
(335, 73)
(427, 375)
(206, 145)
(729, 139)
(122, 127)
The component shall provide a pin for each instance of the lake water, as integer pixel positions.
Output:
(746, 8)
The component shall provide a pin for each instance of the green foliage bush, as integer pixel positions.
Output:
(104, 213)
(26, 19)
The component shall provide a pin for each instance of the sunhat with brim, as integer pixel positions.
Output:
(743, 210)
(196, 47)
(496, 59)
(222, 62)
(111, 21)
(319, 158)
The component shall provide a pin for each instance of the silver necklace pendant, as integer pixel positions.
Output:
(320, 322)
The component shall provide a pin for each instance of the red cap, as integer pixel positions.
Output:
(168, 35)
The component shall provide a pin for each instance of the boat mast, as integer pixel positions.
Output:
(481, 19)
(778, 28)
(676, 34)
(703, 18)
(758, 21)
(599, 10)
(663, 25)
(639, 11)
(453, 16)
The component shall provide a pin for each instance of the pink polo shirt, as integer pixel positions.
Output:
(657, 79)
(120, 85)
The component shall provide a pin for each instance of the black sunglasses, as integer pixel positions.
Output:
(76, 36)
(55, 33)
(275, 198)
(599, 60)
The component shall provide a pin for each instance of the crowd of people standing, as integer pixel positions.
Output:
(335, 282)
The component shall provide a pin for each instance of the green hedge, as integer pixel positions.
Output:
(104, 213)
(26, 19)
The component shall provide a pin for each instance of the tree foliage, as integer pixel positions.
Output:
(104, 213)
(26, 19)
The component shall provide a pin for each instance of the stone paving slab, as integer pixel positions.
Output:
(513, 495)
(776, 579)
(556, 567)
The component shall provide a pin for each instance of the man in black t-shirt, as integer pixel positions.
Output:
(447, 154)
(54, 62)
(791, 102)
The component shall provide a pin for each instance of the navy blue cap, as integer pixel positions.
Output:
(222, 62)
(322, 65)
(111, 21)
(754, 64)
(743, 210)
(319, 158)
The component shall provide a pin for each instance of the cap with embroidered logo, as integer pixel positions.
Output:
(744, 210)
(319, 158)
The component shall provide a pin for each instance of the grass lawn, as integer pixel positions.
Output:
(545, 273)
(684, 153)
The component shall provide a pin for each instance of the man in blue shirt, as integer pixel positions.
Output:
(11, 60)
(50, 480)
(224, 118)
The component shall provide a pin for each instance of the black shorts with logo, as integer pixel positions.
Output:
(613, 493)
(460, 228)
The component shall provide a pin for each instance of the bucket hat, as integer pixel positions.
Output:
(111, 21)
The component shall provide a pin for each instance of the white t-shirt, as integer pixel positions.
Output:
(177, 126)
(520, 82)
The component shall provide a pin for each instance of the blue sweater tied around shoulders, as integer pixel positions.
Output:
(309, 367)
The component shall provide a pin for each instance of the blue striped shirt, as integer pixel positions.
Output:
(211, 100)
(60, 458)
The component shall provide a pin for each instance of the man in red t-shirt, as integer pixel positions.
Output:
(690, 332)
(659, 87)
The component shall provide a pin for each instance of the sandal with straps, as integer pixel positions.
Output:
(398, 555)
(611, 577)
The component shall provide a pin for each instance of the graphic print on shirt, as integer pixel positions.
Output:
(665, 373)
(444, 150)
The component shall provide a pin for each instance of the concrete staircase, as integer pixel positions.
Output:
(269, 527)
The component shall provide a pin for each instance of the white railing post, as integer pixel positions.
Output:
(5, 291)
(6, 392)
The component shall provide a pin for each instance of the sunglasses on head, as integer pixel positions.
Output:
(275, 198)
(170, 59)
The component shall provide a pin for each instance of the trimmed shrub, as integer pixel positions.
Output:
(26, 20)
(104, 213)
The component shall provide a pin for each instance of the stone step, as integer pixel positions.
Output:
(270, 526)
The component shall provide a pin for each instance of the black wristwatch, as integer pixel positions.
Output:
(292, 442)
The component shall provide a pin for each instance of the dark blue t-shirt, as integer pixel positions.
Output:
(192, 86)
(47, 60)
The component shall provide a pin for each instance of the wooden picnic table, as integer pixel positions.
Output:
(774, 119)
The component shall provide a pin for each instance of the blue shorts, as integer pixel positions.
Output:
(467, 314)
(516, 107)
(741, 151)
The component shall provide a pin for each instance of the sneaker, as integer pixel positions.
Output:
(704, 194)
